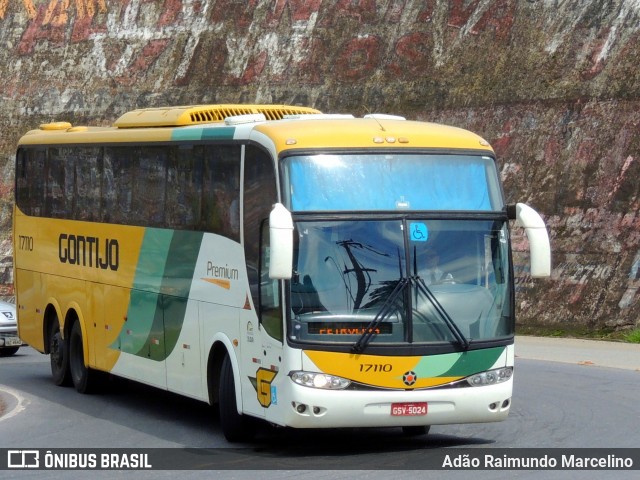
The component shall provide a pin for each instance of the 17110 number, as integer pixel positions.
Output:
(376, 367)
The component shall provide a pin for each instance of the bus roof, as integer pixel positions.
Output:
(288, 127)
(367, 133)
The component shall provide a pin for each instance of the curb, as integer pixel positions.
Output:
(11, 403)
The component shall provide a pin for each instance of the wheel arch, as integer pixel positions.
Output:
(221, 346)
(51, 314)
(73, 315)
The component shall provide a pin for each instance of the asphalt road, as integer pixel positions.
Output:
(567, 394)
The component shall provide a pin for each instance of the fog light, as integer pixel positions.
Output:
(301, 408)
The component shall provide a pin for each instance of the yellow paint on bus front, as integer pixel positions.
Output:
(376, 370)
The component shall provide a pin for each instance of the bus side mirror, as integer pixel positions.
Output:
(281, 243)
(539, 245)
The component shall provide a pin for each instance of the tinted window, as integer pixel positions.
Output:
(88, 184)
(259, 195)
(118, 185)
(149, 168)
(270, 309)
(59, 181)
(221, 190)
(193, 187)
(184, 188)
(30, 177)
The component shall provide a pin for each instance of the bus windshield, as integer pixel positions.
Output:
(389, 181)
(402, 281)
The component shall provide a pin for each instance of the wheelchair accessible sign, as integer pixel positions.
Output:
(418, 231)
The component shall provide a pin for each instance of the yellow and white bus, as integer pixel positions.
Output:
(309, 270)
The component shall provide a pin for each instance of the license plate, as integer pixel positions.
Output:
(12, 342)
(408, 409)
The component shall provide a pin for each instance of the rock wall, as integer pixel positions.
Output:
(554, 85)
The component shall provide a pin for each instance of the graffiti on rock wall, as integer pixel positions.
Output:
(140, 21)
(253, 46)
(161, 44)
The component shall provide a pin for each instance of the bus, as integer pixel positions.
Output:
(303, 269)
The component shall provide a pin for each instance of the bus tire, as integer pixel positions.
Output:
(235, 427)
(414, 431)
(84, 378)
(58, 355)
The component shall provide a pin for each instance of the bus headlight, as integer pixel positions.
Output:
(319, 380)
(490, 377)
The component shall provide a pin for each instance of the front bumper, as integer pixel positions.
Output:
(304, 407)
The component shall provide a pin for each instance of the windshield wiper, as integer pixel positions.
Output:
(451, 325)
(385, 311)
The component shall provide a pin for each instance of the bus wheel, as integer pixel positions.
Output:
(58, 355)
(416, 430)
(84, 378)
(235, 427)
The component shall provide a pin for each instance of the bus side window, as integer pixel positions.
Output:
(134, 185)
(270, 310)
(184, 188)
(117, 185)
(148, 189)
(59, 183)
(259, 196)
(221, 190)
(22, 186)
(30, 180)
(88, 181)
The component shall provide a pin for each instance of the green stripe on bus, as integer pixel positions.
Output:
(203, 133)
(475, 361)
(178, 276)
(142, 332)
(458, 364)
(145, 311)
(160, 293)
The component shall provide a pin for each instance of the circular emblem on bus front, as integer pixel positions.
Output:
(409, 378)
